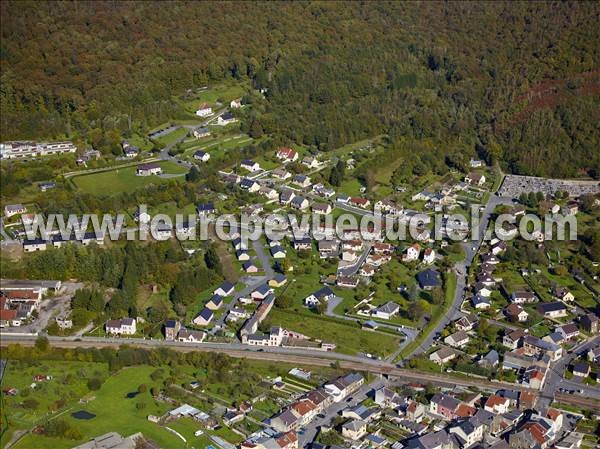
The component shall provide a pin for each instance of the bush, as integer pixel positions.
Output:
(94, 383)
(30, 404)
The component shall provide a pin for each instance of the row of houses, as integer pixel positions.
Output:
(58, 240)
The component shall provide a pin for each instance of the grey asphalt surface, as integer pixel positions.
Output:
(471, 247)
(555, 376)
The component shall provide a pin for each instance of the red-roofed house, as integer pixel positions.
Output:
(287, 154)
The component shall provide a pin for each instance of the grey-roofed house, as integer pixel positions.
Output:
(387, 310)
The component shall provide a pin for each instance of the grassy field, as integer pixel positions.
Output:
(114, 412)
(348, 337)
(122, 180)
(224, 93)
(172, 137)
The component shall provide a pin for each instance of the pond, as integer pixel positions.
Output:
(82, 414)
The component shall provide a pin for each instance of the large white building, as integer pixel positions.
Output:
(23, 149)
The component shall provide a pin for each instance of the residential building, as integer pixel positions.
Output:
(172, 328)
(475, 179)
(344, 386)
(124, 326)
(215, 302)
(552, 309)
(589, 323)
(443, 355)
(250, 185)
(11, 210)
(522, 297)
(516, 313)
(225, 289)
(250, 165)
(457, 340)
(204, 317)
(497, 404)
(204, 110)
(324, 294)
(568, 331)
(444, 405)
(148, 169)
(226, 119)
(29, 149)
(354, 429)
(190, 336)
(386, 311)
(428, 256)
(202, 156)
(201, 132)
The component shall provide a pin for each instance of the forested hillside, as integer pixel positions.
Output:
(514, 82)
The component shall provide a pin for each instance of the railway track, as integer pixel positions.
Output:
(321, 359)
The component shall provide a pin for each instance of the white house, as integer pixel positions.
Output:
(225, 289)
(302, 181)
(412, 253)
(190, 336)
(204, 110)
(250, 185)
(429, 256)
(323, 294)
(148, 169)
(202, 156)
(310, 162)
(475, 178)
(299, 202)
(124, 326)
(386, 311)
(38, 244)
(287, 154)
(236, 104)
(457, 339)
(14, 209)
(226, 119)
(250, 165)
(201, 132)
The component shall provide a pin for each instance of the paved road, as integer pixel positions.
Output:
(164, 153)
(252, 281)
(471, 247)
(555, 376)
(311, 430)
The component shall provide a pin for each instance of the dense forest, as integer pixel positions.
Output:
(516, 82)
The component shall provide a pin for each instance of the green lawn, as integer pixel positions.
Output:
(122, 180)
(114, 412)
(348, 337)
(222, 92)
(172, 136)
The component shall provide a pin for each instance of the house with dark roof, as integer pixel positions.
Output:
(323, 294)
(215, 302)
(428, 279)
(444, 405)
(589, 323)
(205, 208)
(552, 309)
(204, 317)
(225, 289)
(148, 169)
(172, 328)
